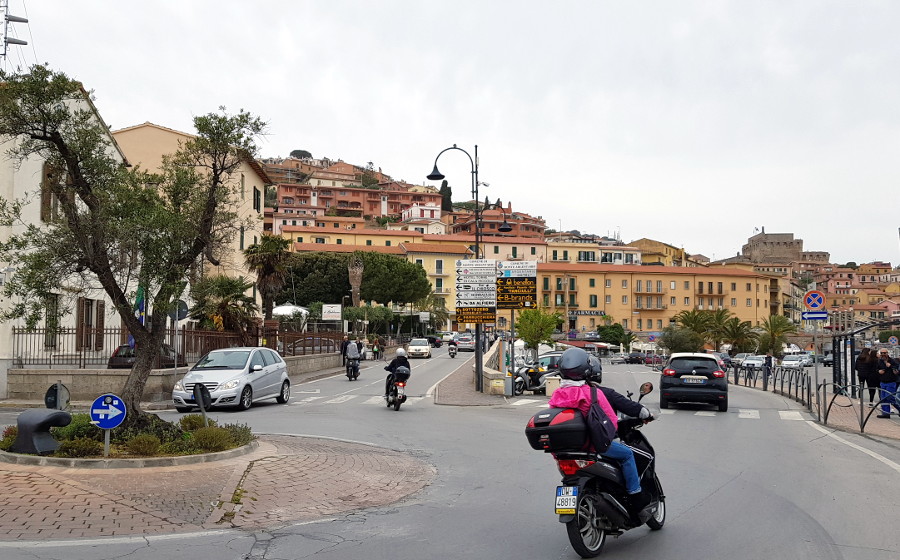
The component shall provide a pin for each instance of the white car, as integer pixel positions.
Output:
(448, 336)
(754, 362)
(235, 377)
(617, 358)
(794, 361)
(419, 348)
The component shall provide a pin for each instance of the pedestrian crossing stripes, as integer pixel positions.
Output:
(341, 399)
(744, 413)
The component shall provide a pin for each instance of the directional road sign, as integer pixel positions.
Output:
(476, 290)
(814, 315)
(108, 411)
(814, 300)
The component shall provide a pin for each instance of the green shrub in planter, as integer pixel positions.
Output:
(79, 428)
(8, 438)
(193, 422)
(213, 439)
(240, 433)
(184, 446)
(144, 444)
(146, 424)
(79, 447)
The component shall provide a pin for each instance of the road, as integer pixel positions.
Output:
(761, 480)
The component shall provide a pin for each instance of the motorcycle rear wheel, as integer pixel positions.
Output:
(659, 518)
(585, 534)
(397, 403)
(519, 386)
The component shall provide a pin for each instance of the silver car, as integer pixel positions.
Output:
(235, 377)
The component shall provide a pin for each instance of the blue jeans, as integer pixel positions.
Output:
(621, 452)
(887, 393)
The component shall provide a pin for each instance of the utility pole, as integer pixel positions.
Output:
(7, 19)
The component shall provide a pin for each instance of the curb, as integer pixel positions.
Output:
(38, 461)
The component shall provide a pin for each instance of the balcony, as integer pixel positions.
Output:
(439, 272)
(660, 307)
(512, 257)
(443, 290)
(650, 290)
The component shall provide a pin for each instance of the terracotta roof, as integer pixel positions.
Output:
(641, 269)
(357, 231)
(484, 239)
(333, 248)
(436, 248)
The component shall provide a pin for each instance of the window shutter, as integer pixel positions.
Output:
(79, 323)
(101, 317)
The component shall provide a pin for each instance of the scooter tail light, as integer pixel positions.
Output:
(566, 415)
(530, 423)
(401, 384)
(569, 467)
(718, 373)
(668, 372)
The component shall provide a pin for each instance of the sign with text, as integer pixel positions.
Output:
(331, 312)
(476, 290)
(516, 284)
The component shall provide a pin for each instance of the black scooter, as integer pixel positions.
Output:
(592, 498)
(531, 377)
(352, 369)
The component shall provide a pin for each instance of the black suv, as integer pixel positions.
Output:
(634, 358)
(688, 377)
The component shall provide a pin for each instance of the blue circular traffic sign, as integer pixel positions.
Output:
(108, 411)
(893, 340)
(814, 300)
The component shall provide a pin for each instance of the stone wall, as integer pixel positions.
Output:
(88, 384)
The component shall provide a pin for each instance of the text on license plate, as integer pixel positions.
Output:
(693, 380)
(566, 499)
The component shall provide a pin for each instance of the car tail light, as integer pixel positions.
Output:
(718, 373)
(669, 372)
(569, 467)
(564, 416)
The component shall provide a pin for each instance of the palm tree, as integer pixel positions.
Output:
(695, 320)
(267, 259)
(222, 304)
(740, 335)
(774, 333)
(715, 329)
(435, 306)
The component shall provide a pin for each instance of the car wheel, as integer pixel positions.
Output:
(285, 393)
(723, 405)
(663, 402)
(246, 398)
(183, 409)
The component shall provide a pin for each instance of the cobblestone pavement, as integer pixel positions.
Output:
(275, 484)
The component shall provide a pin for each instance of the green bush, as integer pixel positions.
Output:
(79, 428)
(8, 437)
(184, 446)
(144, 444)
(240, 433)
(193, 422)
(213, 439)
(79, 447)
(146, 424)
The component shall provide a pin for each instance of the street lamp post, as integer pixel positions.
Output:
(436, 175)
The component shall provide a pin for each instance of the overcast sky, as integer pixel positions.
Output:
(688, 122)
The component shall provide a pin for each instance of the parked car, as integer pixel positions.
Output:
(419, 348)
(828, 360)
(693, 377)
(465, 342)
(653, 359)
(738, 359)
(754, 362)
(448, 336)
(635, 358)
(123, 358)
(793, 361)
(723, 358)
(235, 377)
(549, 361)
(435, 340)
(617, 358)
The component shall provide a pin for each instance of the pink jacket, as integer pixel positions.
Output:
(580, 397)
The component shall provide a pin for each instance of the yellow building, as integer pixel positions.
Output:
(645, 299)
(657, 252)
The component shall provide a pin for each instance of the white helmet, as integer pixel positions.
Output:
(400, 352)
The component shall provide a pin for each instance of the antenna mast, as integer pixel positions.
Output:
(7, 19)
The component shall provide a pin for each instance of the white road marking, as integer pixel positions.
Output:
(704, 413)
(521, 402)
(667, 411)
(374, 400)
(868, 452)
(341, 399)
(790, 415)
(745, 413)
(314, 392)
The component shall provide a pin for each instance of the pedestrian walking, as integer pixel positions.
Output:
(867, 371)
(360, 345)
(376, 349)
(768, 364)
(887, 376)
(344, 344)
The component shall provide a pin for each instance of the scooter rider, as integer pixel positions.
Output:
(398, 361)
(574, 367)
(352, 353)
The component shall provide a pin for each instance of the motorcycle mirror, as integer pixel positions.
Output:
(646, 388)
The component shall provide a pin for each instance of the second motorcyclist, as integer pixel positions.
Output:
(399, 360)
(575, 367)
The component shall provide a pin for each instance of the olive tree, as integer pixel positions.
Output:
(116, 228)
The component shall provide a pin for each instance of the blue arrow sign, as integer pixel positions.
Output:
(108, 411)
(814, 315)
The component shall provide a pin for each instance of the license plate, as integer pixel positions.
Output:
(566, 499)
(694, 380)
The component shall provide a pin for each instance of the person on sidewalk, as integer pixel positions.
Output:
(887, 376)
(399, 360)
(867, 372)
(574, 368)
(344, 344)
(360, 346)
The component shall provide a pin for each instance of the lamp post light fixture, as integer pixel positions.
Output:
(436, 175)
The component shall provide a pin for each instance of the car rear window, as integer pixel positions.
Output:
(683, 365)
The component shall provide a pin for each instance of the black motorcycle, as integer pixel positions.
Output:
(592, 499)
(531, 377)
(352, 369)
(397, 392)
